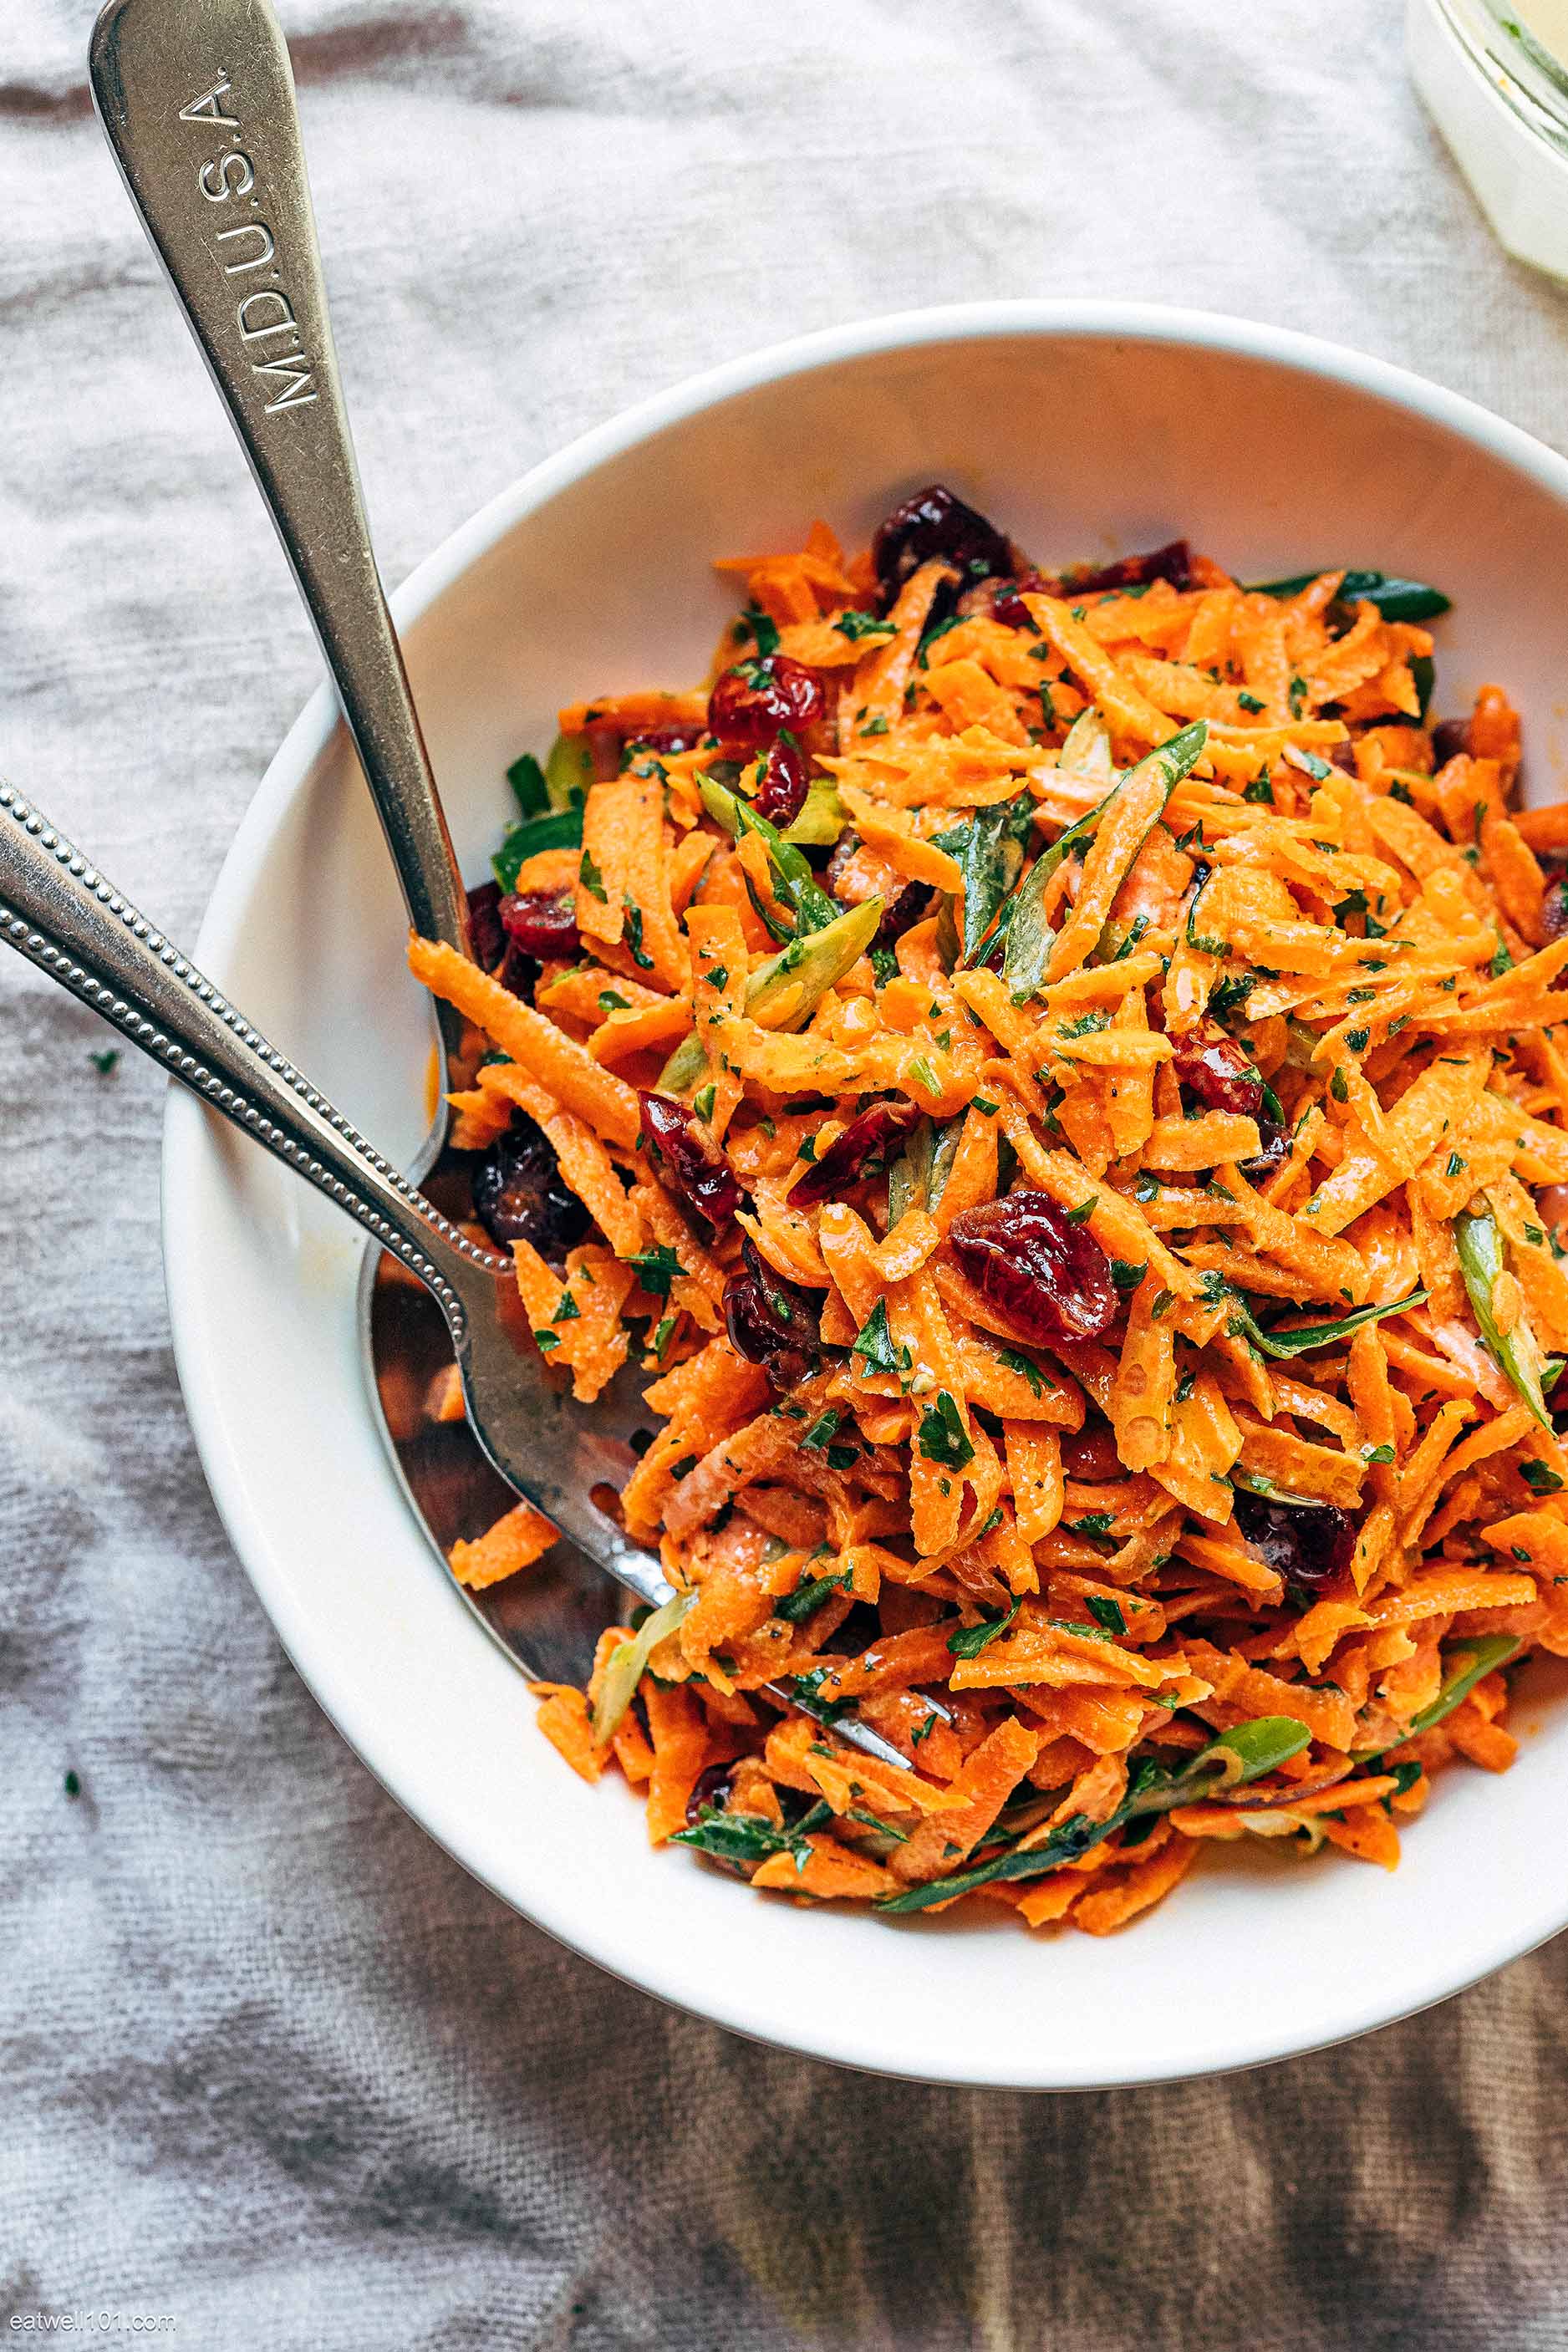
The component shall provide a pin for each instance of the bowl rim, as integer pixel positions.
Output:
(186, 1168)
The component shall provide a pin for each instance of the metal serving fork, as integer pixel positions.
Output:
(58, 912)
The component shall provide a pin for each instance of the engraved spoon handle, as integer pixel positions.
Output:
(197, 99)
(58, 912)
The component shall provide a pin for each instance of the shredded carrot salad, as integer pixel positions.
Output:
(1056, 1078)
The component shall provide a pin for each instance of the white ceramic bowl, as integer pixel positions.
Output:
(1086, 429)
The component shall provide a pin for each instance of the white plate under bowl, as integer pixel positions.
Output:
(1085, 430)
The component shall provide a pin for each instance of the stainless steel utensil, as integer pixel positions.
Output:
(197, 99)
(58, 912)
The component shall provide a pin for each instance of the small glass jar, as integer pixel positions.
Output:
(1499, 97)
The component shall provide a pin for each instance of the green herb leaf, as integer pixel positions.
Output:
(1106, 1613)
(968, 1641)
(1243, 1754)
(526, 778)
(856, 626)
(762, 631)
(591, 878)
(1479, 1240)
(656, 1268)
(941, 1434)
(1396, 599)
(874, 1343)
(561, 830)
(632, 933)
(989, 851)
(808, 1597)
(749, 1838)
(1308, 1335)
(106, 1059)
(1025, 1367)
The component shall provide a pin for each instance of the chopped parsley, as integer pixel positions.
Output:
(875, 1345)
(808, 1597)
(634, 937)
(1025, 1369)
(941, 1437)
(656, 1268)
(970, 1639)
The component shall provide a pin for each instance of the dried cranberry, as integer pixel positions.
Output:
(485, 933)
(1219, 1071)
(1275, 1143)
(786, 780)
(694, 1165)
(1554, 909)
(907, 906)
(713, 1786)
(1008, 606)
(518, 973)
(1045, 1274)
(756, 701)
(1309, 1544)
(936, 523)
(1090, 1452)
(1173, 562)
(518, 1195)
(542, 923)
(862, 1147)
(1450, 738)
(770, 1321)
(903, 911)
(844, 849)
(665, 738)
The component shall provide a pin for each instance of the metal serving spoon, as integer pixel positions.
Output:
(197, 99)
(65, 917)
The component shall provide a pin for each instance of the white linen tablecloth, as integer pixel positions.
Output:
(273, 2066)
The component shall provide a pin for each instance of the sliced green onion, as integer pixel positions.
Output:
(629, 1663)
